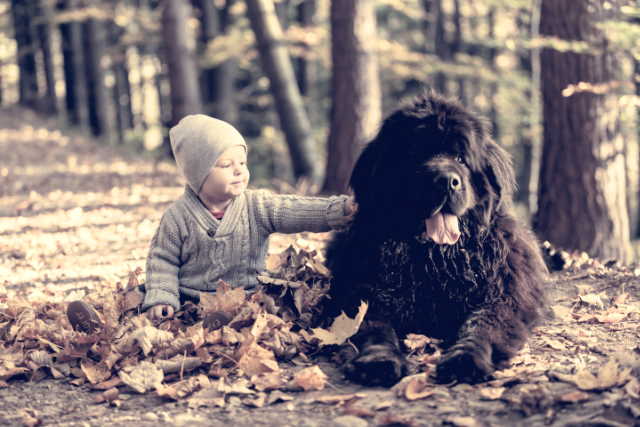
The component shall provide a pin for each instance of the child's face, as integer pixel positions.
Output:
(229, 177)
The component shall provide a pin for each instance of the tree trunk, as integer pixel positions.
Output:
(304, 68)
(43, 31)
(218, 81)
(73, 66)
(436, 35)
(98, 99)
(582, 202)
(636, 82)
(355, 88)
(122, 87)
(28, 80)
(277, 66)
(180, 60)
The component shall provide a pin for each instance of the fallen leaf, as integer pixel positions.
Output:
(107, 396)
(574, 397)
(492, 393)
(95, 372)
(592, 299)
(339, 398)
(463, 421)
(142, 378)
(342, 328)
(256, 360)
(311, 378)
(414, 387)
(184, 388)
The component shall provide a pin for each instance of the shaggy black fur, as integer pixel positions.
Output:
(482, 294)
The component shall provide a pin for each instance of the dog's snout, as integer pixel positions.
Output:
(455, 182)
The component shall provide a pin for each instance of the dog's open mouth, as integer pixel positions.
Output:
(442, 228)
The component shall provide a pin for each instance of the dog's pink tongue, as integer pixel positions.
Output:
(443, 228)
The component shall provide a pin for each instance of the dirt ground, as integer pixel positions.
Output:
(76, 217)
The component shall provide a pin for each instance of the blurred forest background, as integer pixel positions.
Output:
(308, 82)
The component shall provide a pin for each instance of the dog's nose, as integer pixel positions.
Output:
(455, 182)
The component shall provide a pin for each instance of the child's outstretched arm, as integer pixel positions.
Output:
(163, 264)
(293, 214)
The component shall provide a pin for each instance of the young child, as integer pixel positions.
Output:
(218, 229)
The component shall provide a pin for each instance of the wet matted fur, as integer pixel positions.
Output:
(434, 247)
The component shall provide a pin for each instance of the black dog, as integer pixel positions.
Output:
(434, 248)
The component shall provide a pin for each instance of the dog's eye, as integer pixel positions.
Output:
(460, 159)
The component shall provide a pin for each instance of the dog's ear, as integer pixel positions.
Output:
(499, 171)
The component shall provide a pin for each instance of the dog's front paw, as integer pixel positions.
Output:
(463, 364)
(377, 365)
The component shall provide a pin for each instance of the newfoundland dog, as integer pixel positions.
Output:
(435, 249)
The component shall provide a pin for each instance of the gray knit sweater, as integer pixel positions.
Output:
(192, 250)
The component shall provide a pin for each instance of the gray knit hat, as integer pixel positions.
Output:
(197, 141)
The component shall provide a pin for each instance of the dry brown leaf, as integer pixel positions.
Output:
(256, 360)
(179, 364)
(225, 299)
(184, 388)
(95, 372)
(463, 421)
(268, 381)
(147, 337)
(608, 376)
(632, 388)
(574, 397)
(339, 398)
(414, 387)
(278, 396)
(342, 328)
(492, 393)
(206, 398)
(554, 344)
(592, 299)
(108, 395)
(240, 386)
(415, 342)
(142, 378)
(311, 378)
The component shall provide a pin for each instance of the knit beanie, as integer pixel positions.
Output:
(197, 141)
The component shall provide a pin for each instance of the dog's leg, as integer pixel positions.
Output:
(379, 361)
(491, 335)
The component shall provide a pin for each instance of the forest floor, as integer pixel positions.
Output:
(76, 219)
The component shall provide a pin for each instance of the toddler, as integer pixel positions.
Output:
(218, 229)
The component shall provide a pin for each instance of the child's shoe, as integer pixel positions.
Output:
(83, 317)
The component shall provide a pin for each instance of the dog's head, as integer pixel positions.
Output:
(433, 163)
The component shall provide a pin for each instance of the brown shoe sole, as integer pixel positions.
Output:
(83, 317)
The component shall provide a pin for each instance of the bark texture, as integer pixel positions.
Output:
(276, 64)
(582, 202)
(355, 87)
(180, 60)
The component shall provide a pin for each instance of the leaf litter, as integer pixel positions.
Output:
(581, 366)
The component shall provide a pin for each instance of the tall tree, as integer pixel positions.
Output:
(218, 81)
(582, 203)
(276, 64)
(23, 33)
(355, 88)
(73, 64)
(99, 102)
(305, 11)
(44, 20)
(180, 60)
(122, 86)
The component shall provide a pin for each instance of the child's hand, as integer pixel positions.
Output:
(160, 312)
